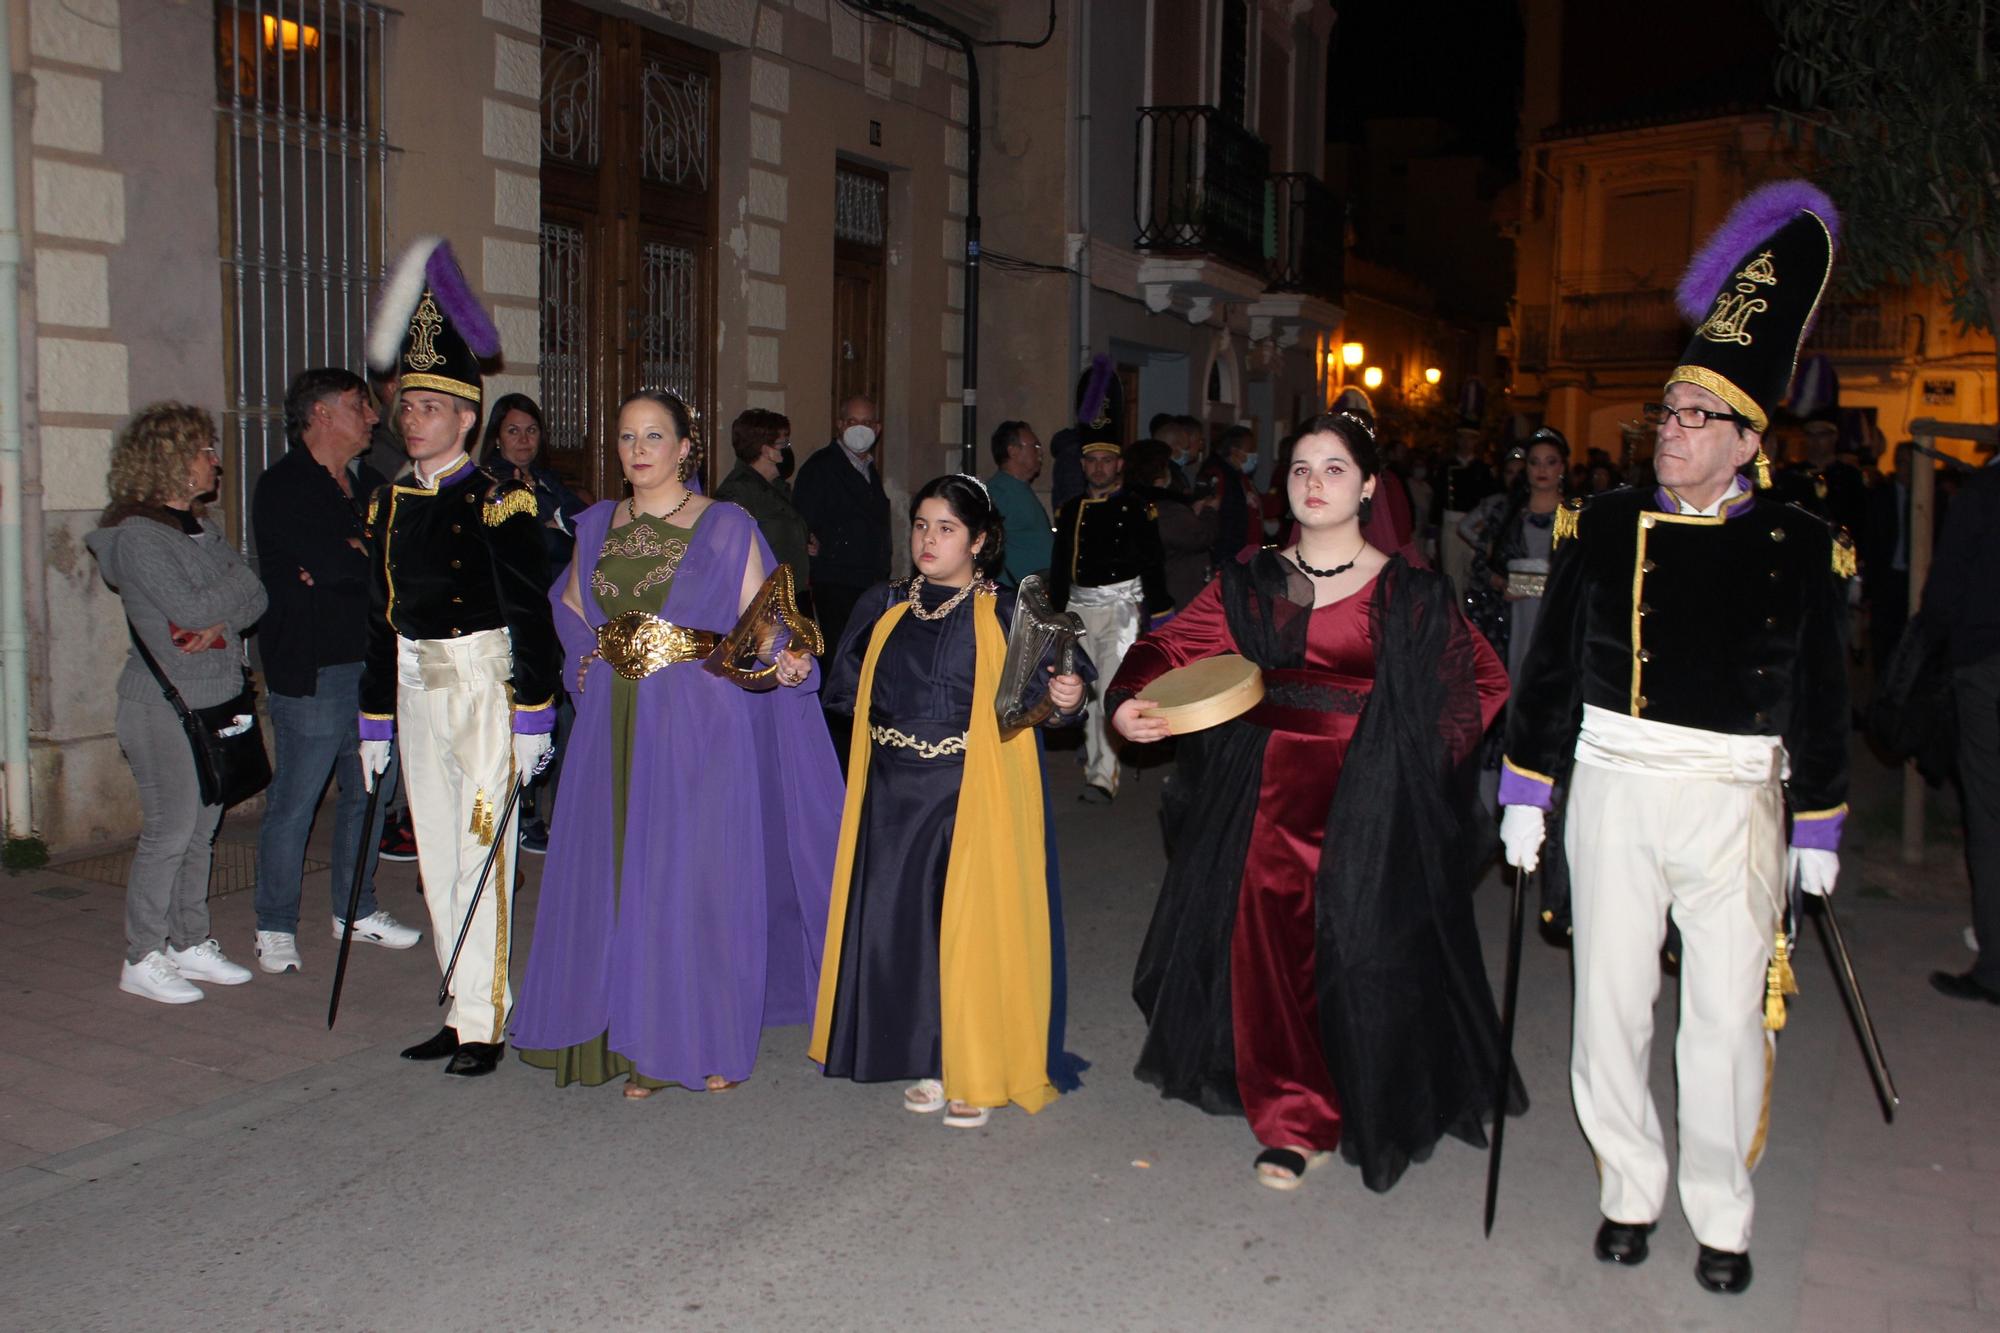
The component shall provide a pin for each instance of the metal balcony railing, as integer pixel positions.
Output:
(1306, 243)
(1619, 326)
(1531, 338)
(1876, 326)
(1201, 185)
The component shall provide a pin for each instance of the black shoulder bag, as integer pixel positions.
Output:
(230, 762)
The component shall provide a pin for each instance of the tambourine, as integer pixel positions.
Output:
(1206, 694)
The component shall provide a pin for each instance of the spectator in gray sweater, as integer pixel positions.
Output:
(189, 597)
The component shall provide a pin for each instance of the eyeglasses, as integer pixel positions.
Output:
(1689, 418)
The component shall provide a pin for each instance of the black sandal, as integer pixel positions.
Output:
(1290, 1167)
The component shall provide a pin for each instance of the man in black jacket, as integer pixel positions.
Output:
(1959, 606)
(839, 490)
(307, 521)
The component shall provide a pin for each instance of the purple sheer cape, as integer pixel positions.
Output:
(716, 930)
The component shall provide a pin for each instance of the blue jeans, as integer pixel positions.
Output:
(316, 735)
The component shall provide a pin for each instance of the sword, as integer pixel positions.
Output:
(1857, 1009)
(499, 832)
(1503, 1080)
(353, 901)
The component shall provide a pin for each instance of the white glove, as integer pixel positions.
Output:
(532, 754)
(374, 762)
(1522, 828)
(1813, 869)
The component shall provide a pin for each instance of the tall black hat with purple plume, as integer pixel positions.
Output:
(1100, 403)
(429, 329)
(1752, 294)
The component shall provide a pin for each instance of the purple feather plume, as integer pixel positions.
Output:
(460, 306)
(1094, 390)
(1756, 215)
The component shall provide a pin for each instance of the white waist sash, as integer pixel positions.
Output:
(1662, 749)
(483, 657)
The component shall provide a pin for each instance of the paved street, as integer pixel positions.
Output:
(231, 1164)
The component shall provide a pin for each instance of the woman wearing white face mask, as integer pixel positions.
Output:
(1230, 474)
(839, 491)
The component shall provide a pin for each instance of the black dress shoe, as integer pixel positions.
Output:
(475, 1058)
(1623, 1242)
(1723, 1271)
(437, 1048)
(1963, 986)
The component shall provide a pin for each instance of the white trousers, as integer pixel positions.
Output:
(1691, 836)
(454, 716)
(1454, 556)
(1111, 613)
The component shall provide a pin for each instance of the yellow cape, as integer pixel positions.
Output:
(993, 938)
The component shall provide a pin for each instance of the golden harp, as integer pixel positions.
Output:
(748, 654)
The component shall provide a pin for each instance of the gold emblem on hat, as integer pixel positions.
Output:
(1729, 321)
(424, 328)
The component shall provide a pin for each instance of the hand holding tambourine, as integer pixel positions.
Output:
(1195, 697)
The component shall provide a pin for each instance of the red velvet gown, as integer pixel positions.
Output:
(1287, 1093)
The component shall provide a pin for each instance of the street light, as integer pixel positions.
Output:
(1371, 377)
(1352, 354)
(1432, 374)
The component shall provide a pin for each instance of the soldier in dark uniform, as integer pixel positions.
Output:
(462, 658)
(1688, 676)
(1466, 480)
(1109, 568)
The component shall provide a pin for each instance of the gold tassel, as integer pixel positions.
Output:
(482, 818)
(1844, 563)
(1566, 522)
(1763, 461)
(1778, 983)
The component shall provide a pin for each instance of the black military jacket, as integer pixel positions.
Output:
(451, 561)
(1733, 624)
(1109, 541)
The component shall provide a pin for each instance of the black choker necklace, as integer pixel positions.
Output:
(1299, 559)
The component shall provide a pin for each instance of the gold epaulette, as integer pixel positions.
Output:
(503, 506)
(374, 508)
(1566, 522)
(1844, 563)
(1152, 511)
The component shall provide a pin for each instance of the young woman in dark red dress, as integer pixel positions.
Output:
(1313, 964)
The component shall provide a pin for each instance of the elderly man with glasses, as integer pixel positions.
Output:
(1687, 680)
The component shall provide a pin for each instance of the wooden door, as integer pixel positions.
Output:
(860, 283)
(628, 231)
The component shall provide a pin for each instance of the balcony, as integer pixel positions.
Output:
(1307, 242)
(1615, 326)
(1874, 327)
(1201, 186)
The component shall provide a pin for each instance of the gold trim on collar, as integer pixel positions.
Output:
(416, 477)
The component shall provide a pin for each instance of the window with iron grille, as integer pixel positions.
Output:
(303, 152)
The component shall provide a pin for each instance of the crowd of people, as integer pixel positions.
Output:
(1648, 667)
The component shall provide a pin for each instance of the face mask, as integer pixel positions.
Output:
(858, 439)
(784, 461)
(1249, 465)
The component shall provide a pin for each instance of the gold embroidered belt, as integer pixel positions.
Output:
(902, 740)
(637, 644)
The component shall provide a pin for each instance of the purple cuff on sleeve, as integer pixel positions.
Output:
(1521, 788)
(378, 728)
(535, 721)
(1819, 829)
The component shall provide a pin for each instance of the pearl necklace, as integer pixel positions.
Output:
(946, 607)
(632, 514)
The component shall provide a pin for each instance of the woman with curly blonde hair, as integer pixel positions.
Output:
(188, 597)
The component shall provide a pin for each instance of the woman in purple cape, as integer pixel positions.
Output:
(683, 903)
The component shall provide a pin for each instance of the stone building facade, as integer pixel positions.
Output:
(772, 212)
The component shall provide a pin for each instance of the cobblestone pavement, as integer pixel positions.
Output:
(232, 1164)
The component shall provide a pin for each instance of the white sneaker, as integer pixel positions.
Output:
(382, 929)
(154, 978)
(205, 962)
(278, 951)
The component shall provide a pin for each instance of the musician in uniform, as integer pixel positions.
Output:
(1687, 675)
(1110, 569)
(461, 659)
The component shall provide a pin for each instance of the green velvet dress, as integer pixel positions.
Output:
(634, 573)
